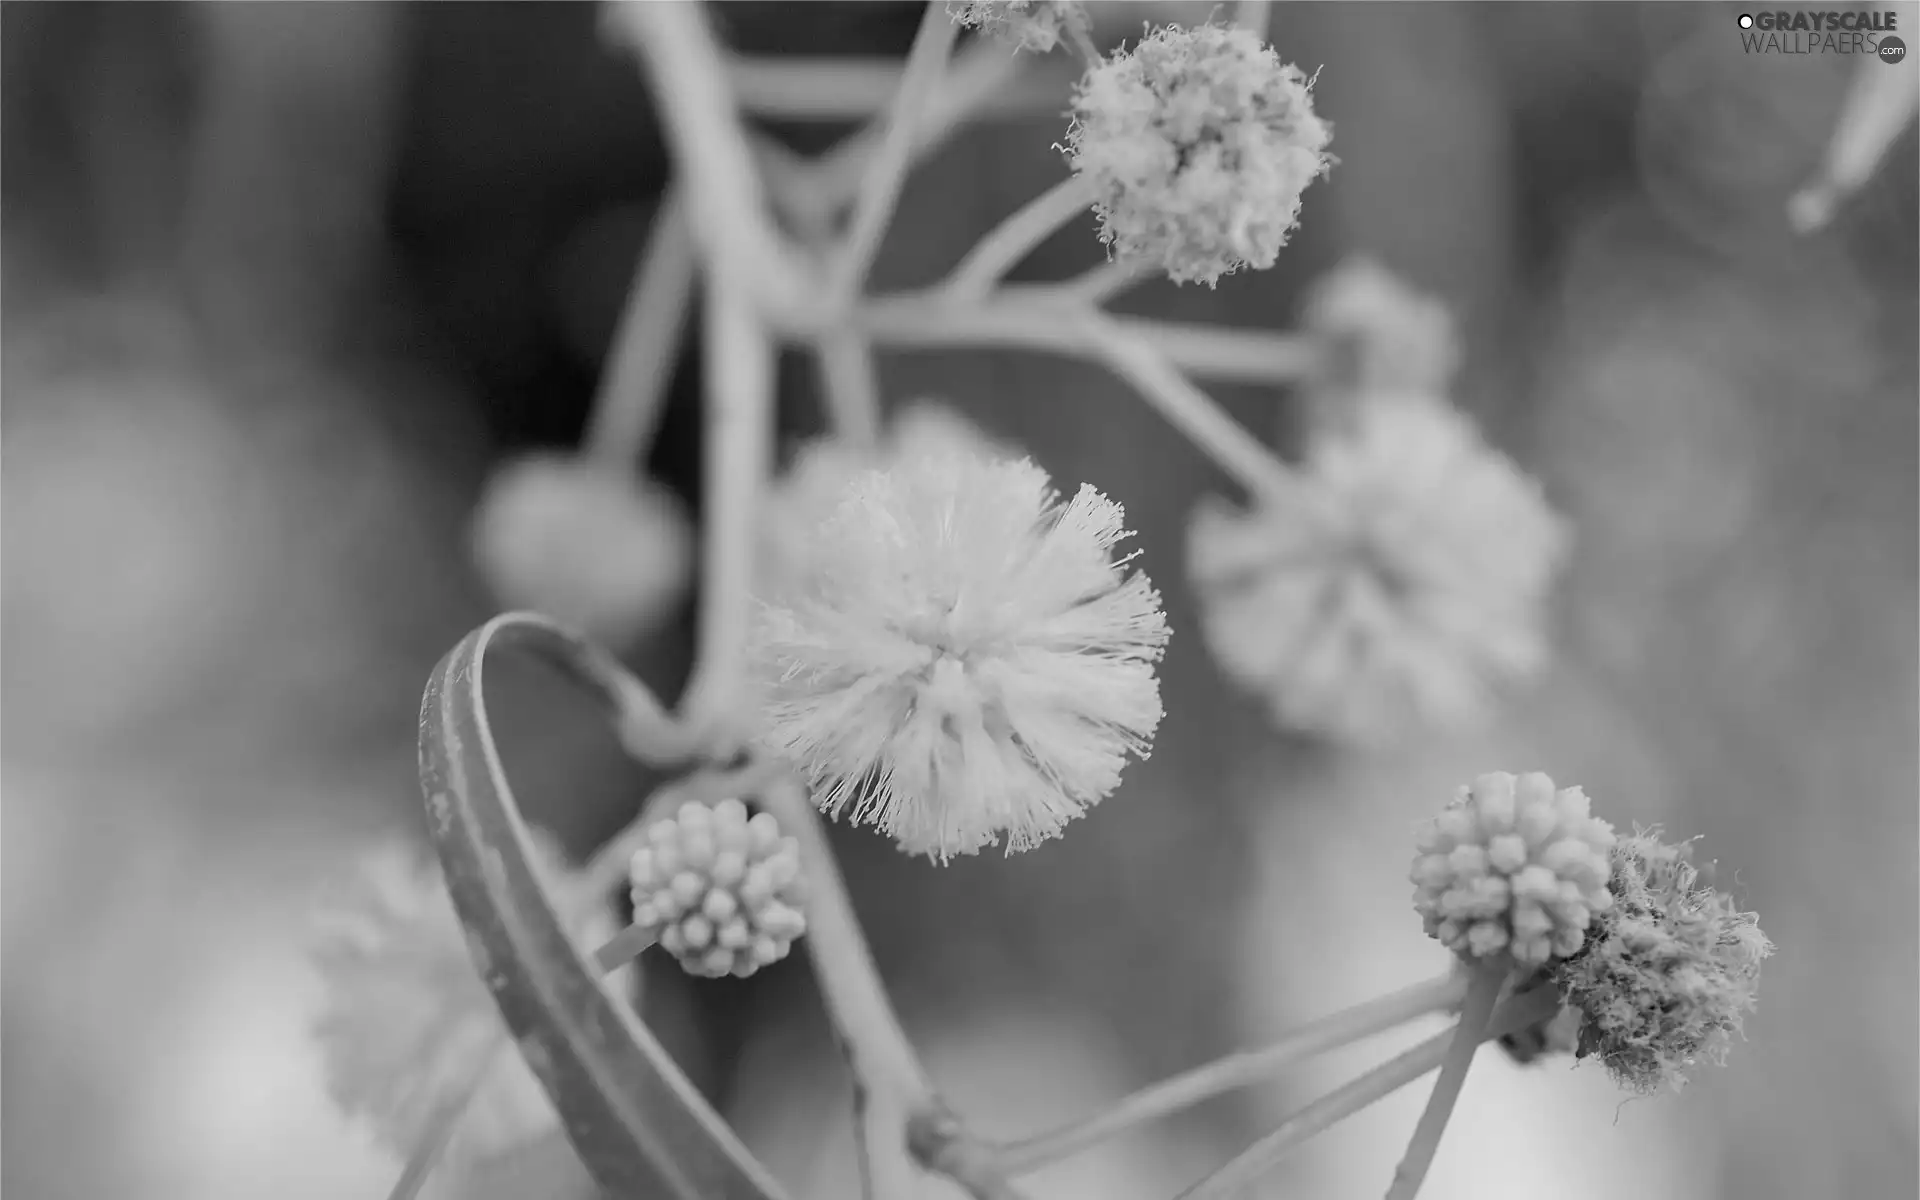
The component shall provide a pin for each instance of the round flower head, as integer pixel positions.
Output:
(1669, 973)
(720, 891)
(1387, 337)
(1197, 145)
(406, 1019)
(1401, 580)
(1513, 866)
(606, 554)
(809, 493)
(967, 659)
(1036, 25)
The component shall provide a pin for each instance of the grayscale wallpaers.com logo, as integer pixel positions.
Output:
(1796, 32)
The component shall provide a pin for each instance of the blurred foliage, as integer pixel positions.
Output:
(280, 280)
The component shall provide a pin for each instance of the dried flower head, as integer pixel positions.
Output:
(1198, 144)
(1388, 338)
(720, 890)
(1036, 25)
(1513, 866)
(809, 493)
(608, 554)
(967, 659)
(1399, 583)
(406, 1019)
(1669, 973)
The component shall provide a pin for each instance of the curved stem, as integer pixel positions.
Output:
(1016, 237)
(1475, 1011)
(739, 456)
(882, 1059)
(1256, 1160)
(887, 171)
(627, 406)
(1239, 1070)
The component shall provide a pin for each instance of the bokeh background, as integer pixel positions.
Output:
(282, 281)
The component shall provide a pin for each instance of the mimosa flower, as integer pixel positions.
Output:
(1671, 972)
(406, 1019)
(1197, 144)
(721, 891)
(1401, 581)
(967, 660)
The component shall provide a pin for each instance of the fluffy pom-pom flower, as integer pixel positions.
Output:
(1399, 583)
(607, 554)
(1669, 973)
(406, 1019)
(1036, 25)
(1387, 337)
(1197, 144)
(1513, 866)
(967, 660)
(809, 492)
(720, 891)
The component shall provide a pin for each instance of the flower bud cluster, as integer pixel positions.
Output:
(1513, 866)
(721, 891)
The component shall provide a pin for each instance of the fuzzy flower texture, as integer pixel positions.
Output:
(406, 1019)
(1513, 866)
(1401, 581)
(1671, 970)
(1036, 25)
(1197, 145)
(966, 659)
(719, 890)
(1655, 969)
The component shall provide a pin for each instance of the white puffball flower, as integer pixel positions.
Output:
(406, 1019)
(1197, 144)
(609, 554)
(967, 659)
(1399, 584)
(807, 494)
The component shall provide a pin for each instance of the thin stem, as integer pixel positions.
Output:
(1253, 16)
(851, 384)
(1475, 1011)
(1323, 1114)
(1096, 285)
(1239, 1070)
(437, 1135)
(709, 145)
(974, 80)
(1026, 318)
(840, 89)
(622, 948)
(887, 171)
(1194, 413)
(877, 1049)
(1016, 237)
(619, 950)
(739, 456)
(633, 386)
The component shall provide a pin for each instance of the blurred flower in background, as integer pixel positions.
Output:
(281, 281)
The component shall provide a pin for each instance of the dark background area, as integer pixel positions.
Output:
(281, 281)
